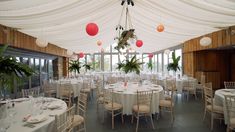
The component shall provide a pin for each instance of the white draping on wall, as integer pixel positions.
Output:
(63, 21)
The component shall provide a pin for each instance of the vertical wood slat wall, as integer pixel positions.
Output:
(20, 40)
(195, 59)
(23, 41)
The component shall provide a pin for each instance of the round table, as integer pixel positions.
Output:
(127, 95)
(24, 108)
(220, 101)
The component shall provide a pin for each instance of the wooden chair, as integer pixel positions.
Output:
(86, 88)
(64, 121)
(99, 95)
(80, 117)
(170, 88)
(215, 111)
(168, 102)
(111, 106)
(230, 109)
(49, 89)
(189, 88)
(199, 87)
(66, 93)
(143, 107)
(30, 92)
(229, 85)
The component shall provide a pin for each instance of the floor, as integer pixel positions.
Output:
(188, 118)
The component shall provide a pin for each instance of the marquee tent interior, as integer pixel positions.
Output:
(63, 22)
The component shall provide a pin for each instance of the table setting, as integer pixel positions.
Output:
(126, 93)
(30, 114)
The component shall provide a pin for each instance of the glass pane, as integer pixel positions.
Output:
(145, 60)
(50, 69)
(35, 78)
(44, 72)
(97, 63)
(165, 62)
(114, 50)
(114, 62)
(107, 63)
(159, 62)
(155, 63)
(23, 83)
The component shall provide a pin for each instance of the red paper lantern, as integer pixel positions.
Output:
(81, 55)
(92, 29)
(160, 28)
(150, 55)
(99, 43)
(139, 43)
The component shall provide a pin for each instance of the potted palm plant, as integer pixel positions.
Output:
(174, 66)
(11, 69)
(74, 66)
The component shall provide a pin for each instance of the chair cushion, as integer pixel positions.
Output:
(77, 120)
(100, 99)
(165, 103)
(86, 90)
(232, 122)
(116, 106)
(216, 108)
(142, 108)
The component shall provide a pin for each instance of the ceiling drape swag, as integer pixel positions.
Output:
(64, 21)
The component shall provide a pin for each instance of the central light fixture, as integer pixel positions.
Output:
(41, 42)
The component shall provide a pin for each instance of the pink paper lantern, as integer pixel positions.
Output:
(92, 29)
(81, 55)
(99, 43)
(139, 43)
(150, 55)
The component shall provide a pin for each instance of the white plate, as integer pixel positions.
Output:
(20, 99)
(36, 119)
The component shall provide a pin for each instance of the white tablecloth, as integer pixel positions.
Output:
(24, 108)
(127, 95)
(220, 100)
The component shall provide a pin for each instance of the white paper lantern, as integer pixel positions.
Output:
(41, 43)
(167, 52)
(205, 41)
(69, 52)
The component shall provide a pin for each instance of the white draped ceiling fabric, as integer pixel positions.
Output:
(63, 21)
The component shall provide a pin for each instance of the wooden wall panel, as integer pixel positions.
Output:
(233, 67)
(24, 41)
(188, 63)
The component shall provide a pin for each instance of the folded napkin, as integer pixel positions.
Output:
(54, 105)
(37, 118)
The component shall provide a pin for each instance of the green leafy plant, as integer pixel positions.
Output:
(74, 66)
(132, 65)
(87, 66)
(174, 66)
(122, 40)
(11, 69)
(150, 64)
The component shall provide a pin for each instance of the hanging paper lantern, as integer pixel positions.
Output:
(205, 41)
(167, 52)
(160, 28)
(150, 55)
(41, 43)
(139, 43)
(81, 55)
(69, 52)
(92, 29)
(99, 43)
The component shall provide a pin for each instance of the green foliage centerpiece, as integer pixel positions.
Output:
(132, 65)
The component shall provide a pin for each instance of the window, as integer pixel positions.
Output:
(146, 61)
(178, 52)
(107, 63)
(159, 62)
(114, 62)
(165, 62)
(97, 63)
(155, 63)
